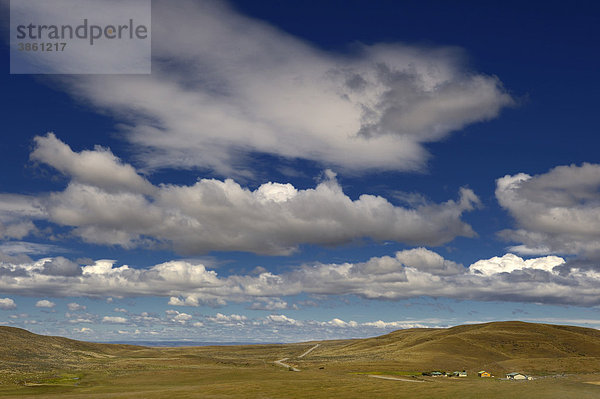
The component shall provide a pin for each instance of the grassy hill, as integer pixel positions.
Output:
(23, 352)
(53, 367)
(498, 346)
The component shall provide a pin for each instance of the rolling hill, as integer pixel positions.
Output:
(22, 351)
(497, 346)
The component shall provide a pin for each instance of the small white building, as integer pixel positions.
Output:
(517, 376)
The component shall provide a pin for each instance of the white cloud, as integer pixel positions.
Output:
(282, 319)
(44, 303)
(233, 86)
(227, 319)
(178, 317)
(7, 304)
(114, 320)
(341, 323)
(396, 325)
(555, 212)
(73, 307)
(510, 263)
(99, 168)
(407, 274)
(215, 215)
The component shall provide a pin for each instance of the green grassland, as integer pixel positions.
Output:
(565, 361)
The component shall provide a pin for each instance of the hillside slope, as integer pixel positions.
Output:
(498, 346)
(22, 350)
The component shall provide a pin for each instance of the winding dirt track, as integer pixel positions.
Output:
(281, 363)
(310, 350)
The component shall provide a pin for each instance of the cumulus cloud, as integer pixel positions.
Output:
(74, 307)
(510, 263)
(99, 168)
(7, 304)
(282, 319)
(227, 319)
(221, 215)
(61, 266)
(44, 303)
(341, 323)
(224, 86)
(178, 317)
(407, 274)
(555, 212)
(114, 320)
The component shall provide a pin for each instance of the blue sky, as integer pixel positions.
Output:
(292, 171)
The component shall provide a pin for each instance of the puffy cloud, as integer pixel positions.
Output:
(7, 304)
(429, 261)
(99, 168)
(78, 320)
(233, 86)
(114, 320)
(74, 307)
(341, 323)
(227, 319)
(555, 212)
(510, 263)
(177, 317)
(407, 274)
(281, 319)
(44, 303)
(61, 266)
(214, 215)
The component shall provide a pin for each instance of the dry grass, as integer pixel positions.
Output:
(50, 367)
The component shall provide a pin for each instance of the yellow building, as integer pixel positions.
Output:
(484, 374)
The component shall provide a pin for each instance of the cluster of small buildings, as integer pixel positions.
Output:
(518, 376)
(482, 374)
(509, 376)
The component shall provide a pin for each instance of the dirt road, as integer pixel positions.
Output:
(281, 363)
